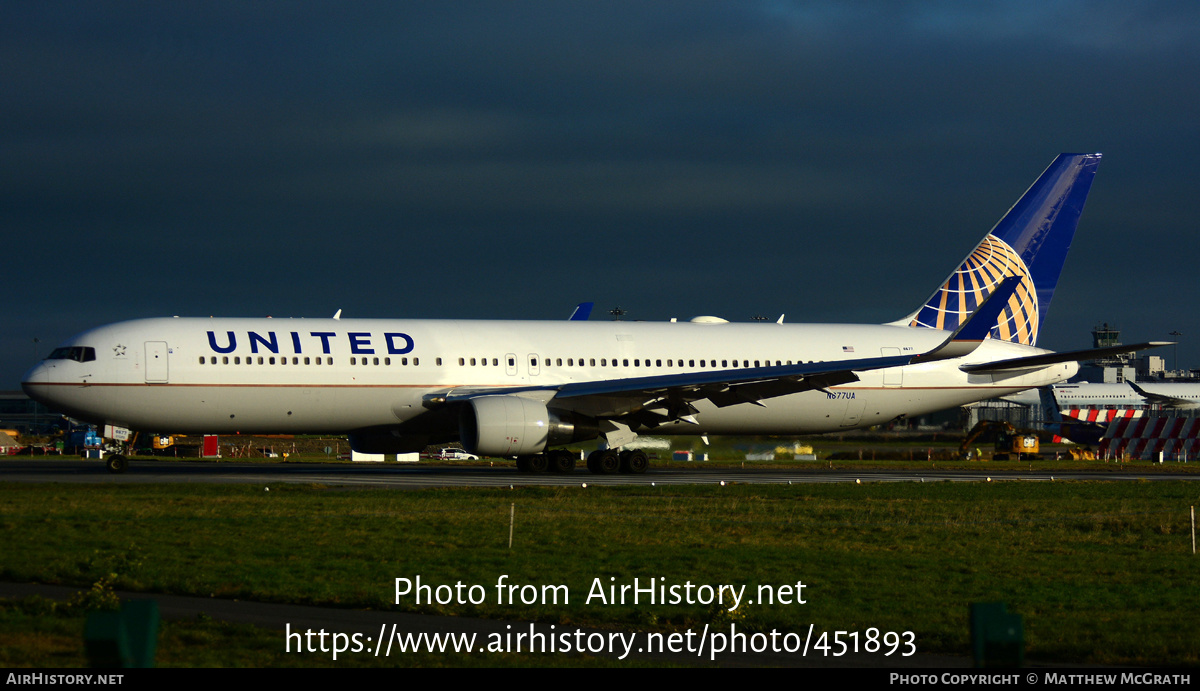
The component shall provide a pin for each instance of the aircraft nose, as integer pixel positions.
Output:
(33, 383)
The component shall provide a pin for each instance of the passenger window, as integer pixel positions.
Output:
(225, 360)
(202, 359)
(307, 361)
(354, 361)
(417, 361)
(461, 362)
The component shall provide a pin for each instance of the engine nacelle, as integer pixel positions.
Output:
(516, 426)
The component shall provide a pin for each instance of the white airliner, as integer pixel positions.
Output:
(525, 389)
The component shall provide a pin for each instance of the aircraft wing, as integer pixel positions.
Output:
(665, 398)
(1163, 399)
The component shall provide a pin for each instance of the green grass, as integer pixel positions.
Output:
(1101, 572)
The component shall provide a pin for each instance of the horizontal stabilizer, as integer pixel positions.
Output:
(1039, 361)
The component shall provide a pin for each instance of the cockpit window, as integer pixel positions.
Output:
(76, 353)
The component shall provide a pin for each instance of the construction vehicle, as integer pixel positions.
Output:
(1082, 453)
(1010, 443)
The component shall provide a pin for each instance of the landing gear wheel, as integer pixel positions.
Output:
(116, 463)
(634, 462)
(605, 462)
(537, 463)
(523, 464)
(561, 461)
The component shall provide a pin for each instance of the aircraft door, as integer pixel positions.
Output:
(853, 411)
(157, 368)
(534, 366)
(892, 376)
(510, 364)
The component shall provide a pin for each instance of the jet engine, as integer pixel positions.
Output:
(516, 426)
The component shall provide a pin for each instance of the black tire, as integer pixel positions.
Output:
(561, 461)
(116, 463)
(607, 462)
(523, 464)
(634, 462)
(537, 463)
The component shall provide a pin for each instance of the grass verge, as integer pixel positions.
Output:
(1101, 572)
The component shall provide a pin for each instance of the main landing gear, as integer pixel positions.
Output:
(601, 462)
(556, 461)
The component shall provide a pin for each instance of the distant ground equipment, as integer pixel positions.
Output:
(1009, 442)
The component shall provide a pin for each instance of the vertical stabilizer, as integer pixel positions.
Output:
(1031, 242)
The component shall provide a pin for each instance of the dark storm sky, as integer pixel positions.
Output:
(828, 160)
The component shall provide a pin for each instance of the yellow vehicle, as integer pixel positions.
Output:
(1010, 443)
(1082, 454)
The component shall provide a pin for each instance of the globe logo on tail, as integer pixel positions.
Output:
(991, 262)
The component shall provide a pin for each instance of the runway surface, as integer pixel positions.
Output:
(399, 476)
